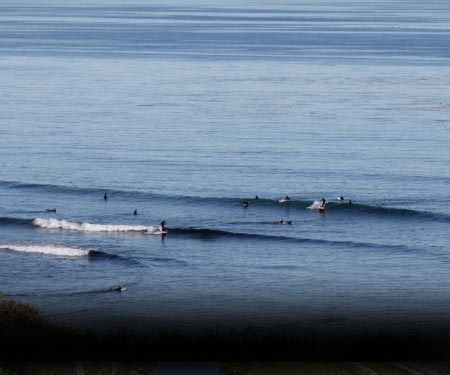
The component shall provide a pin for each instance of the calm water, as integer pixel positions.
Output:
(183, 111)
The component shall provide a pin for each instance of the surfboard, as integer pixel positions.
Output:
(119, 289)
(284, 200)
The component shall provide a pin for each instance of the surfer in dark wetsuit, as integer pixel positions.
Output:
(163, 225)
(350, 201)
(322, 206)
(245, 203)
(105, 197)
(286, 198)
(135, 212)
(256, 197)
(282, 222)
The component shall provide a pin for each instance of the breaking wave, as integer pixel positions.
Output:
(48, 249)
(64, 251)
(89, 227)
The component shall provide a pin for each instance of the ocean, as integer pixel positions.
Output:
(182, 111)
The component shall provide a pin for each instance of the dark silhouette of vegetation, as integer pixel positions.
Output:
(27, 335)
(19, 321)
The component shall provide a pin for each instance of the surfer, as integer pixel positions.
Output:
(256, 197)
(245, 203)
(105, 197)
(285, 199)
(282, 222)
(163, 226)
(340, 198)
(350, 201)
(51, 210)
(135, 212)
(322, 205)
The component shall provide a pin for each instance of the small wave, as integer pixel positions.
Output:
(227, 201)
(83, 191)
(92, 291)
(89, 227)
(391, 212)
(204, 233)
(388, 211)
(280, 267)
(158, 261)
(48, 249)
(48, 187)
(14, 221)
(70, 293)
(100, 255)
(211, 233)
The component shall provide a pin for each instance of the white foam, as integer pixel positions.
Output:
(88, 227)
(47, 249)
(315, 206)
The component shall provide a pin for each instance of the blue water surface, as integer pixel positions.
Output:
(183, 110)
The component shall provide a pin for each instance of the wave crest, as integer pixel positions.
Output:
(48, 249)
(89, 227)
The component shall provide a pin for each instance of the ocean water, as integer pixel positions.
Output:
(183, 110)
